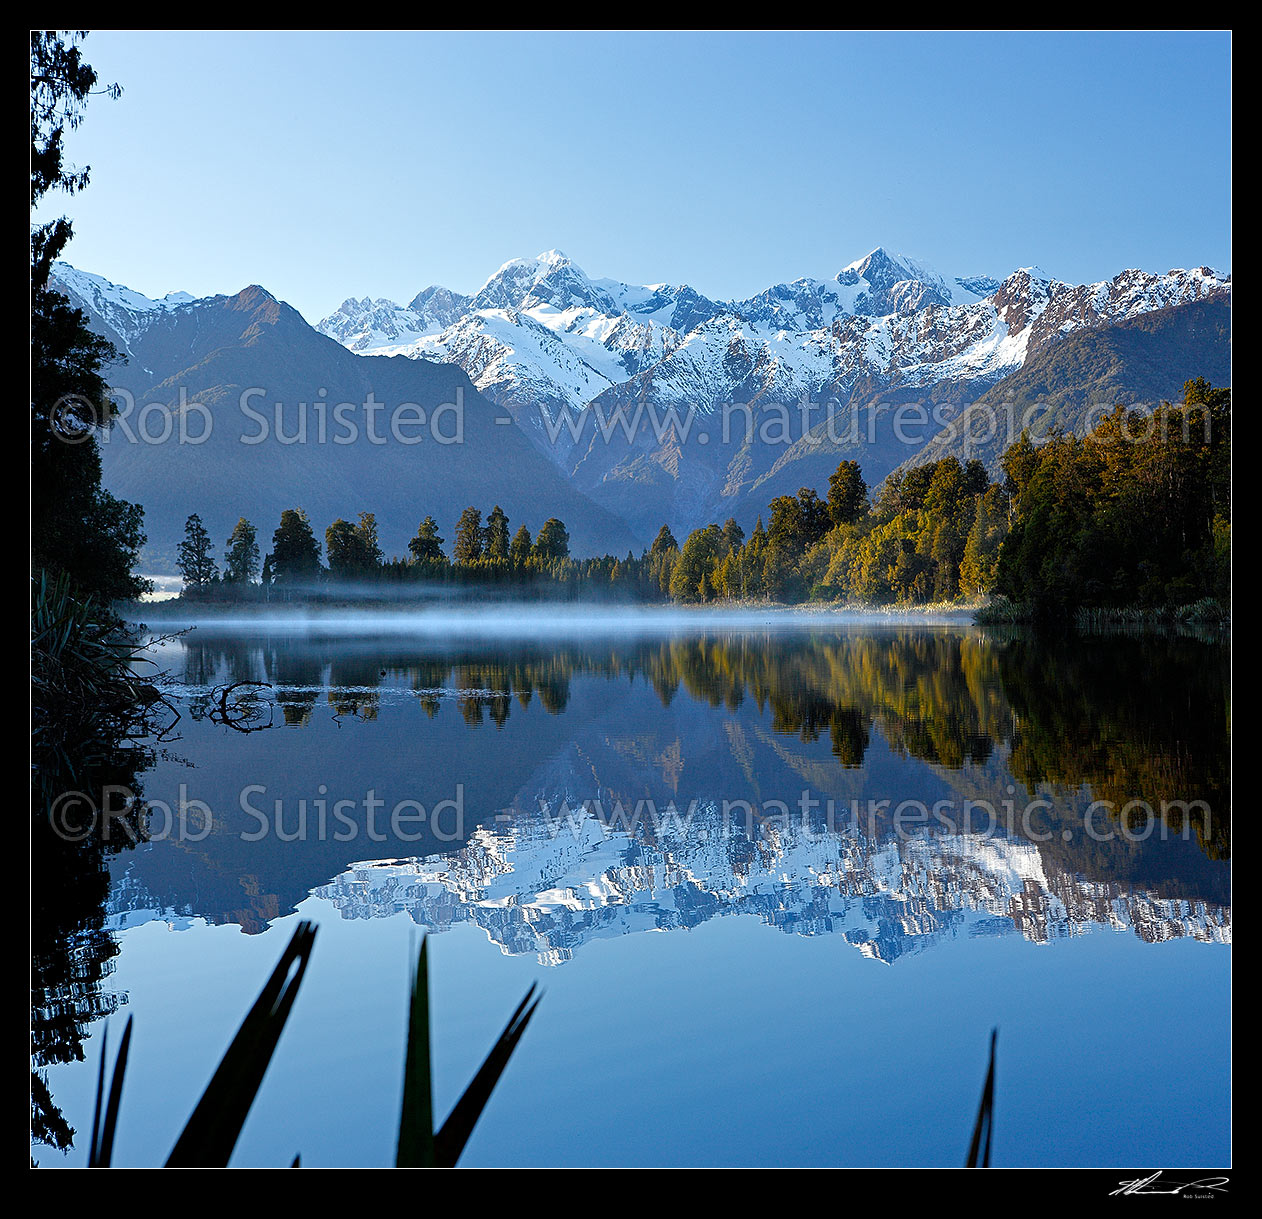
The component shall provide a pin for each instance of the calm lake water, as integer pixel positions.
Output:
(778, 881)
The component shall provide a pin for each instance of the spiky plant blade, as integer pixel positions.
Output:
(212, 1131)
(95, 1138)
(450, 1141)
(985, 1114)
(416, 1120)
(101, 1148)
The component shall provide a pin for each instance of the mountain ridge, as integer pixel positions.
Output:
(622, 388)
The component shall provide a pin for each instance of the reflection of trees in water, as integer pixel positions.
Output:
(71, 950)
(1121, 715)
(1130, 716)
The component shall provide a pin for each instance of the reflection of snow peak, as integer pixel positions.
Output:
(545, 887)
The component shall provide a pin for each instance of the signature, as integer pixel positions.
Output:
(1149, 1185)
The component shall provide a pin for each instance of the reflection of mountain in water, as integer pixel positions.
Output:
(550, 884)
(865, 715)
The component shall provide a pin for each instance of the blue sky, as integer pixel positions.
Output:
(329, 165)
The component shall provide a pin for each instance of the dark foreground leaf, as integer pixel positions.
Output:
(418, 1146)
(212, 1131)
(101, 1147)
(416, 1122)
(450, 1141)
(985, 1114)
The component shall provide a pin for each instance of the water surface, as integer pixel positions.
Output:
(778, 879)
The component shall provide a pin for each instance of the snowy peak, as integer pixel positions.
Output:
(886, 283)
(541, 336)
(123, 310)
(104, 293)
(383, 326)
(438, 306)
(548, 280)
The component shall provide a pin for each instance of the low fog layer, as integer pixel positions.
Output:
(533, 620)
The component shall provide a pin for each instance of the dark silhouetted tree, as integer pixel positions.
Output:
(76, 526)
(194, 559)
(295, 555)
(495, 539)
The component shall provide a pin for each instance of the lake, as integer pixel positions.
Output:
(777, 876)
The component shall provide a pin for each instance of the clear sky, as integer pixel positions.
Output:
(328, 165)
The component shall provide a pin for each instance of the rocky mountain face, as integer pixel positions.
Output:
(1140, 360)
(656, 403)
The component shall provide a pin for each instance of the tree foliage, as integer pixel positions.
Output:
(295, 553)
(241, 555)
(77, 527)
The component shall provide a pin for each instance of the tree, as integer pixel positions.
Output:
(468, 536)
(295, 555)
(798, 521)
(664, 541)
(691, 579)
(847, 494)
(427, 546)
(733, 535)
(76, 526)
(519, 552)
(1133, 513)
(61, 82)
(553, 541)
(370, 555)
(194, 558)
(241, 557)
(1019, 462)
(904, 491)
(981, 549)
(353, 551)
(495, 538)
(342, 548)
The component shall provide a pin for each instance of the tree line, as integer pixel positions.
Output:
(1135, 512)
(352, 552)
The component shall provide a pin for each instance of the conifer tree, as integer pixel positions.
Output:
(553, 541)
(194, 559)
(495, 539)
(468, 536)
(241, 556)
(295, 553)
(520, 550)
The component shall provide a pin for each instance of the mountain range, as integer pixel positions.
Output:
(618, 407)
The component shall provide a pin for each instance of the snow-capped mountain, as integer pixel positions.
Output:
(377, 326)
(884, 315)
(624, 387)
(126, 312)
(540, 332)
(543, 339)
